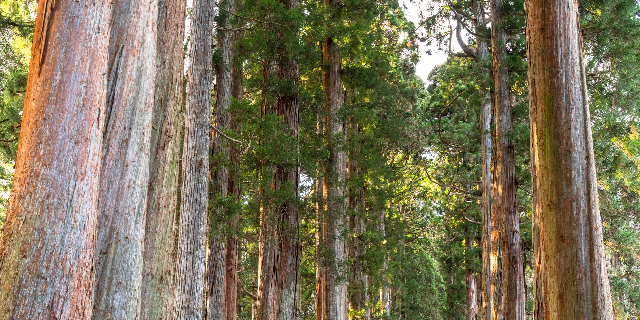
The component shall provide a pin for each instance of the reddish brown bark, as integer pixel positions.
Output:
(48, 244)
(570, 279)
(511, 251)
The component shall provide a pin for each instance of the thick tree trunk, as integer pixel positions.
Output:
(216, 271)
(335, 287)
(512, 267)
(48, 245)
(485, 128)
(162, 208)
(124, 177)
(190, 267)
(287, 180)
(570, 280)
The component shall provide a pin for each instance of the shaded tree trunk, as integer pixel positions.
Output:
(335, 286)
(48, 245)
(511, 251)
(235, 179)
(190, 267)
(162, 208)
(320, 197)
(124, 177)
(570, 279)
(216, 270)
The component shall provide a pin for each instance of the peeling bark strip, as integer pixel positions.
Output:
(48, 244)
(507, 195)
(162, 207)
(124, 176)
(190, 267)
(570, 280)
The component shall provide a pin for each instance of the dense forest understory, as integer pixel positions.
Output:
(282, 159)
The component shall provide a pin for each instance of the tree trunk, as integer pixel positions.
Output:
(485, 127)
(358, 281)
(231, 260)
(512, 267)
(472, 306)
(216, 271)
(124, 177)
(570, 279)
(335, 173)
(287, 180)
(267, 261)
(162, 208)
(321, 244)
(190, 267)
(48, 245)
(385, 295)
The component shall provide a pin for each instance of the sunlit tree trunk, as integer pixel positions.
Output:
(335, 285)
(190, 267)
(124, 176)
(471, 282)
(48, 245)
(511, 251)
(485, 142)
(166, 140)
(570, 279)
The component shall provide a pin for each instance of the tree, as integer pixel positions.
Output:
(190, 266)
(335, 170)
(571, 279)
(507, 194)
(46, 258)
(124, 176)
(166, 142)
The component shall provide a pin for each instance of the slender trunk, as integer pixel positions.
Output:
(320, 240)
(124, 176)
(358, 281)
(268, 253)
(485, 128)
(216, 271)
(231, 260)
(48, 245)
(570, 279)
(190, 267)
(162, 208)
(512, 268)
(336, 220)
(287, 182)
(472, 306)
(384, 291)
